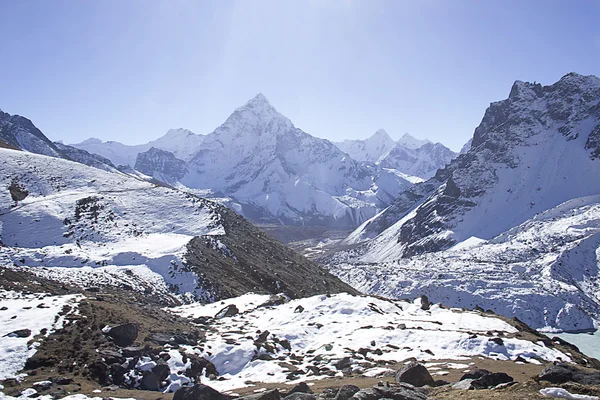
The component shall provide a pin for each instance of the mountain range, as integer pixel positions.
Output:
(511, 224)
(274, 172)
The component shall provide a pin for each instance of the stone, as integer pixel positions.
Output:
(344, 363)
(199, 392)
(228, 311)
(161, 370)
(61, 380)
(300, 396)
(475, 374)
(463, 384)
(198, 365)
(17, 192)
(346, 392)
(21, 333)
(123, 335)
(112, 356)
(491, 380)
(415, 374)
(266, 395)
(302, 387)
(132, 351)
(425, 304)
(149, 381)
(562, 373)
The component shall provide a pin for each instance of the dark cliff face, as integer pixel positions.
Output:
(570, 107)
(160, 161)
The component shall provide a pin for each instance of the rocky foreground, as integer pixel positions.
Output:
(60, 341)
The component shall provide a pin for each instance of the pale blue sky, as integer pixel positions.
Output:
(129, 70)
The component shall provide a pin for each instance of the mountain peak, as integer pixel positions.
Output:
(260, 100)
(411, 142)
(173, 133)
(381, 134)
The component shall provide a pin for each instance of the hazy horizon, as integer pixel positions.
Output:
(129, 71)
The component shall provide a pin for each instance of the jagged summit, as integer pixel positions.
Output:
(567, 83)
(258, 103)
(411, 142)
(381, 133)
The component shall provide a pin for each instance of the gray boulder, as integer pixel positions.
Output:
(415, 374)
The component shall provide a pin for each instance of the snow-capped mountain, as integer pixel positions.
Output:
(260, 158)
(411, 142)
(370, 149)
(181, 142)
(531, 152)
(20, 133)
(408, 155)
(273, 169)
(523, 189)
(422, 161)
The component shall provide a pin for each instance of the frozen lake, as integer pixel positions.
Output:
(587, 343)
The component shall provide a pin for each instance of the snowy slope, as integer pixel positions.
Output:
(76, 216)
(530, 153)
(545, 271)
(313, 334)
(35, 312)
(369, 149)
(422, 161)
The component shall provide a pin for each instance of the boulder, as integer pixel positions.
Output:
(463, 384)
(61, 380)
(490, 380)
(123, 335)
(475, 374)
(425, 304)
(267, 395)
(562, 373)
(228, 311)
(100, 372)
(198, 365)
(344, 363)
(302, 387)
(415, 374)
(149, 381)
(300, 396)
(112, 356)
(161, 370)
(17, 192)
(199, 392)
(21, 333)
(132, 351)
(346, 392)
(274, 300)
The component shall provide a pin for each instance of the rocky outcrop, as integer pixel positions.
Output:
(246, 259)
(161, 164)
(415, 374)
